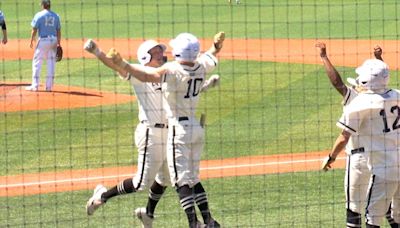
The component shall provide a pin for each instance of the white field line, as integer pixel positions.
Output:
(96, 178)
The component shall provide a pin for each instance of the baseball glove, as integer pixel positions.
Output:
(59, 53)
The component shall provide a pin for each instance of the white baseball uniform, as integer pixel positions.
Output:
(357, 173)
(181, 90)
(150, 136)
(47, 23)
(372, 119)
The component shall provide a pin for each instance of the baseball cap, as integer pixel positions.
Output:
(142, 53)
(373, 74)
(185, 47)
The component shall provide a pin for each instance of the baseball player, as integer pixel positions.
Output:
(357, 173)
(372, 121)
(150, 134)
(3, 27)
(46, 24)
(182, 81)
(152, 155)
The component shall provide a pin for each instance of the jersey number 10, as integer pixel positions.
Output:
(395, 124)
(193, 87)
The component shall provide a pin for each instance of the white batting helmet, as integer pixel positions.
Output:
(185, 47)
(143, 54)
(373, 75)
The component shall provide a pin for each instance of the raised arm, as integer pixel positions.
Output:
(92, 47)
(378, 53)
(332, 73)
(144, 74)
(216, 47)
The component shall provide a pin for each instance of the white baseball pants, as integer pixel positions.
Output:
(152, 163)
(45, 49)
(381, 195)
(185, 144)
(356, 182)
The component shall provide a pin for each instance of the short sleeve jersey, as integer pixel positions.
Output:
(182, 85)
(373, 121)
(350, 95)
(1, 17)
(150, 101)
(47, 22)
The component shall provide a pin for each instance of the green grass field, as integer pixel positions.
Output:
(260, 108)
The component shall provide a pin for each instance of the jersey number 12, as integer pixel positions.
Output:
(395, 124)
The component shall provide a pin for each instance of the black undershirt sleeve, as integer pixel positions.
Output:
(3, 25)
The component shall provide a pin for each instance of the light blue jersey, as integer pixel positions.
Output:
(1, 17)
(47, 22)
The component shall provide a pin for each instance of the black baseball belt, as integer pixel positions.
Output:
(358, 150)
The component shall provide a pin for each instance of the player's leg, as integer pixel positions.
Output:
(128, 185)
(162, 179)
(199, 192)
(394, 209)
(178, 157)
(390, 218)
(156, 191)
(380, 194)
(356, 185)
(36, 66)
(186, 199)
(51, 64)
(101, 195)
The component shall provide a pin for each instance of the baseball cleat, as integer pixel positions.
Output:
(147, 221)
(95, 201)
(213, 224)
(200, 225)
(90, 46)
(31, 88)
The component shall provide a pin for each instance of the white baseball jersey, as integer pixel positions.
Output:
(348, 98)
(150, 136)
(185, 135)
(183, 84)
(357, 174)
(373, 121)
(150, 101)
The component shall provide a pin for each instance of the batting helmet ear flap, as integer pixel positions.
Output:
(145, 58)
(143, 54)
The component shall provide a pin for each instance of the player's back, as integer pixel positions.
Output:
(375, 118)
(181, 88)
(47, 22)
